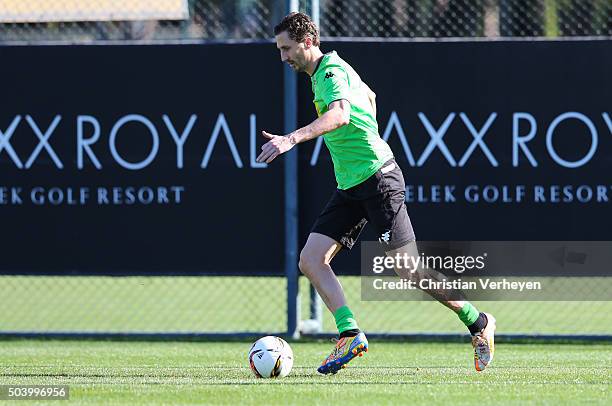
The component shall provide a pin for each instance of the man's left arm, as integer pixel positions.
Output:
(337, 115)
(371, 98)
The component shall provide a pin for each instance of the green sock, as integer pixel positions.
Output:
(345, 319)
(468, 314)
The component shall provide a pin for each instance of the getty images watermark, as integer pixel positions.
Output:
(491, 270)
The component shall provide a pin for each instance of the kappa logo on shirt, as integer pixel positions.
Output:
(328, 75)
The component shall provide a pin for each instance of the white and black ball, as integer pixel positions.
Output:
(271, 357)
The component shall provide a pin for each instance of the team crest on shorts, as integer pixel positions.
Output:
(385, 237)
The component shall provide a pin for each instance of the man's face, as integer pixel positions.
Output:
(294, 53)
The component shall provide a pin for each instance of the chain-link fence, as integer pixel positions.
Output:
(152, 304)
(466, 18)
(185, 305)
(89, 20)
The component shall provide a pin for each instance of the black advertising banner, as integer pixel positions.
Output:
(138, 159)
(498, 141)
(141, 159)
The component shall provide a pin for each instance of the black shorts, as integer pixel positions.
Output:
(380, 200)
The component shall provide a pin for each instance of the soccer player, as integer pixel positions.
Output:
(370, 187)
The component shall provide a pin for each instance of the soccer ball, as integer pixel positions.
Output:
(271, 357)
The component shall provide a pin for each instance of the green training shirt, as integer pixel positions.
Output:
(356, 149)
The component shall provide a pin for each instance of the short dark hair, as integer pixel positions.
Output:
(298, 26)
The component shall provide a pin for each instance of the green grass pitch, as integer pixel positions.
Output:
(392, 373)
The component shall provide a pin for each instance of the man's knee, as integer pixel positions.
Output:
(312, 259)
(309, 260)
(317, 253)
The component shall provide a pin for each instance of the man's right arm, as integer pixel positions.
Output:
(338, 114)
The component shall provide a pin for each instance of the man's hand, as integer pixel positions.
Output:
(277, 145)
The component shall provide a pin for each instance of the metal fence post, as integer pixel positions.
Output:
(316, 313)
(291, 198)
